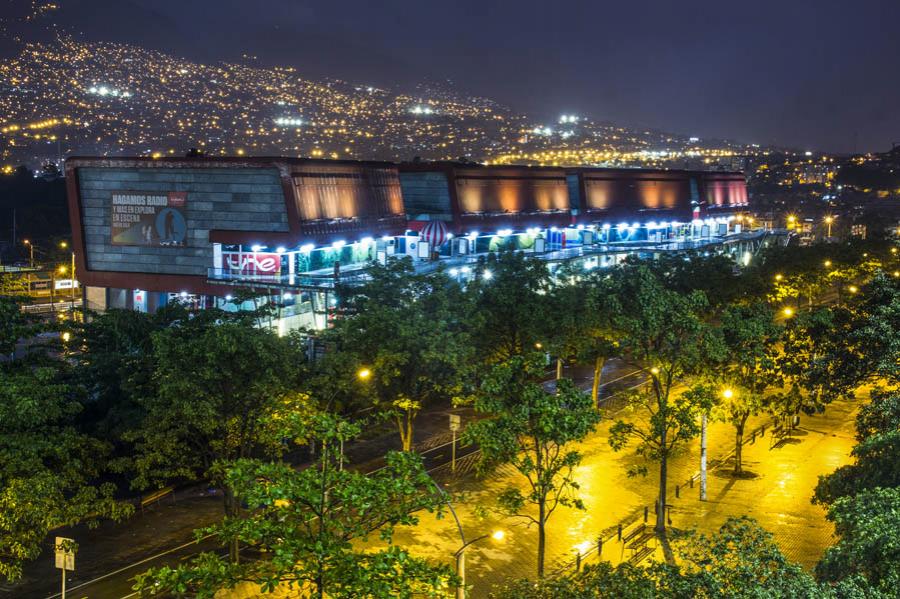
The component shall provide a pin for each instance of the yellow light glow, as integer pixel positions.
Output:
(852, 288)
(828, 264)
(654, 370)
(727, 393)
(788, 312)
(538, 345)
(498, 535)
(364, 373)
(779, 277)
(66, 336)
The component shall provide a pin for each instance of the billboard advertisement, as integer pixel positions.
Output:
(149, 218)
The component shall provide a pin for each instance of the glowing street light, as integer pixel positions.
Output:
(778, 277)
(30, 252)
(363, 374)
(497, 536)
(828, 262)
(788, 312)
(852, 288)
(828, 221)
(727, 393)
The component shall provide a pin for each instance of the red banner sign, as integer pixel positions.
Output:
(248, 263)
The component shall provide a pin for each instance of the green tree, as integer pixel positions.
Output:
(407, 329)
(508, 313)
(868, 546)
(880, 415)
(742, 560)
(49, 472)
(749, 368)
(739, 561)
(115, 364)
(306, 522)
(530, 429)
(214, 385)
(661, 330)
(821, 360)
(14, 324)
(878, 445)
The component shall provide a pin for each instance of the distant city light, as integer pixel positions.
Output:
(307, 248)
(422, 110)
(289, 121)
(568, 118)
(103, 90)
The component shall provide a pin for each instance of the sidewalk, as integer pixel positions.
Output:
(779, 497)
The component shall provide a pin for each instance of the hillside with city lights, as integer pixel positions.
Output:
(66, 95)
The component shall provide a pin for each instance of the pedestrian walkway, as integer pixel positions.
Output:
(778, 495)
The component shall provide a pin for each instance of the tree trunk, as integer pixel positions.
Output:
(542, 539)
(405, 426)
(661, 507)
(409, 432)
(739, 445)
(595, 388)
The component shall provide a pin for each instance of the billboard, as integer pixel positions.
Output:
(148, 218)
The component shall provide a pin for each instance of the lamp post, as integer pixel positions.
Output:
(828, 221)
(64, 245)
(460, 555)
(30, 252)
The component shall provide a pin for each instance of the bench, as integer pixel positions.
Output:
(637, 532)
(640, 555)
(148, 500)
(641, 541)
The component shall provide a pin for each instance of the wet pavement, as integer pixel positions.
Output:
(778, 496)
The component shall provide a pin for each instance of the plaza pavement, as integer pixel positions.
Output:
(777, 495)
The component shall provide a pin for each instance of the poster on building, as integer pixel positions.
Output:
(149, 218)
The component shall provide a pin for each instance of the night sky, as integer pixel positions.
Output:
(812, 74)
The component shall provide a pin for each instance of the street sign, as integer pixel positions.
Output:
(65, 553)
(454, 422)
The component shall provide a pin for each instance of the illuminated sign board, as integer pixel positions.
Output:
(148, 218)
(255, 263)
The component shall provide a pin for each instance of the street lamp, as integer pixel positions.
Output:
(30, 252)
(363, 374)
(852, 288)
(64, 245)
(828, 221)
(460, 555)
(788, 312)
(791, 219)
(778, 277)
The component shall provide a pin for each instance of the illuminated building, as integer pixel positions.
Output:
(152, 231)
